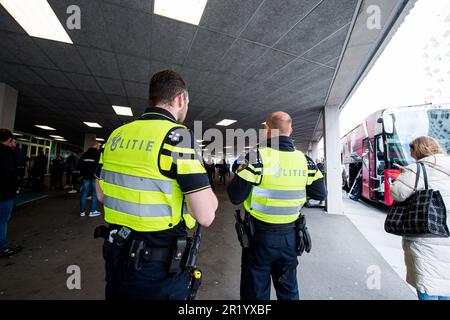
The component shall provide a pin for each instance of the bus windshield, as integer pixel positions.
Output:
(404, 125)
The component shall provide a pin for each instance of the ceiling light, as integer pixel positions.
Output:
(225, 122)
(37, 18)
(100, 139)
(44, 127)
(200, 140)
(56, 137)
(123, 111)
(60, 139)
(189, 11)
(17, 134)
(22, 139)
(249, 147)
(92, 124)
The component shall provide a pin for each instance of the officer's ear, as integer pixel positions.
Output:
(267, 130)
(179, 101)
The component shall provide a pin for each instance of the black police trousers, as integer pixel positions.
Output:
(270, 254)
(151, 282)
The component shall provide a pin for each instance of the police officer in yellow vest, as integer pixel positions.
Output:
(273, 183)
(153, 185)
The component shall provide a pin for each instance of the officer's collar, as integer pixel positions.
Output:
(152, 113)
(285, 143)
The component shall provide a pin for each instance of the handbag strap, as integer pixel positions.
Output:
(425, 177)
(417, 176)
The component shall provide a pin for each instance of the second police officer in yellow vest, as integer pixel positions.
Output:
(273, 184)
(153, 186)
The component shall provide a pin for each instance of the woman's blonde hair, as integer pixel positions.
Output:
(424, 146)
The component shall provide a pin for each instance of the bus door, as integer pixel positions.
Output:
(366, 155)
(378, 169)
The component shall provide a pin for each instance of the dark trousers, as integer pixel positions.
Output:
(68, 178)
(6, 209)
(38, 182)
(75, 182)
(56, 180)
(211, 179)
(222, 178)
(270, 254)
(152, 282)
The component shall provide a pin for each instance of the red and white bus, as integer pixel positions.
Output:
(382, 140)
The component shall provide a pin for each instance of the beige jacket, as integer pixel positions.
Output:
(427, 259)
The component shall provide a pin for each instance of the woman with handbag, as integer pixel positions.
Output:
(427, 259)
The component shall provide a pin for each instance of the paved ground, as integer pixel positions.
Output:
(369, 219)
(55, 237)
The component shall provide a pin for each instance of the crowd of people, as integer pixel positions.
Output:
(222, 169)
(13, 166)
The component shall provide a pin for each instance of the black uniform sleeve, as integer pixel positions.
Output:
(98, 169)
(315, 187)
(247, 174)
(180, 159)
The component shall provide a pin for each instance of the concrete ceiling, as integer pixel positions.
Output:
(245, 60)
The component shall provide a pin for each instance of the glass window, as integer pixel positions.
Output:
(33, 151)
(410, 123)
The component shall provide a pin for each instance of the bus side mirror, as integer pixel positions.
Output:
(388, 123)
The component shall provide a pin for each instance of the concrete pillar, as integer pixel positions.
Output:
(333, 165)
(8, 104)
(314, 151)
(89, 140)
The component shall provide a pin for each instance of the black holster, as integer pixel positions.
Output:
(303, 238)
(178, 260)
(244, 229)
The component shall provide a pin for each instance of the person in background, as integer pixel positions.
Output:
(74, 171)
(57, 172)
(209, 167)
(8, 187)
(21, 159)
(355, 179)
(223, 170)
(30, 171)
(68, 165)
(427, 259)
(87, 165)
(38, 171)
(320, 165)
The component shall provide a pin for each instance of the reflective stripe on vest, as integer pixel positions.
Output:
(134, 182)
(279, 194)
(137, 209)
(279, 211)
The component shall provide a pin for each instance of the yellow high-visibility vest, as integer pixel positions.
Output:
(281, 192)
(136, 194)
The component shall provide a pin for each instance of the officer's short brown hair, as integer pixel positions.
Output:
(165, 86)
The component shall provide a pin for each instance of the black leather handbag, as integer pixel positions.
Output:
(421, 215)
